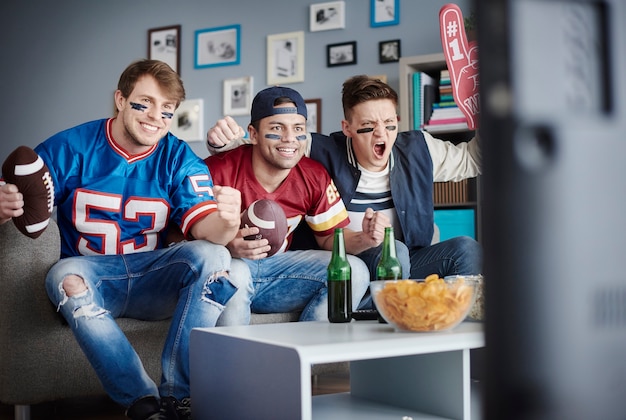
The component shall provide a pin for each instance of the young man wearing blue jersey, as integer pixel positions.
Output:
(119, 183)
(274, 167)
(377, 168)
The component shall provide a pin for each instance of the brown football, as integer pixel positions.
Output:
(269, 217)
(25, 168)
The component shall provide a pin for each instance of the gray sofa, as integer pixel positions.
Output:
(39, 358)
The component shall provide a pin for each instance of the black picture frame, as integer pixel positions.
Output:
(341, 54)
(164, 45)
(389, 51)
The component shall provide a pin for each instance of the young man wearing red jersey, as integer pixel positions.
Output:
(273, 166)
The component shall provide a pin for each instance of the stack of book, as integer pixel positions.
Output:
(445, 115)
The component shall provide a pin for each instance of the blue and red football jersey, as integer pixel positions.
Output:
(110, 202)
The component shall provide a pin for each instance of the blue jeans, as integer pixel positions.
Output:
(459, 255)
(288, 282)
(182, 282)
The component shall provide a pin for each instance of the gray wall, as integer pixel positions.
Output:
(61, 59)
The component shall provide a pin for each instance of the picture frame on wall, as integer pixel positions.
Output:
(314, 115)
(341, 54)
(384, 12)
(238, 94)
(187, 122)
(164, 45)
(218, 46)
(327, 16)
(389, 51)
(285, 58)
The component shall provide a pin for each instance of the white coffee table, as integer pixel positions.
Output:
(264, 371)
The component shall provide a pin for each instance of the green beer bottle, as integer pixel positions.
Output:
(339, 282)
(388, 267)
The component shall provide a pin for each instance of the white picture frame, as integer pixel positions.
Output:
(188, 120)
(327, 16)
(238, 94)
(285, 58)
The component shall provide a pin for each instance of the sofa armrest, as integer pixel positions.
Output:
(24, 262)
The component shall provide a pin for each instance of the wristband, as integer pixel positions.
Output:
(215, 147)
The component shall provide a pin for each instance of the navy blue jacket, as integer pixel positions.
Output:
(411, 179)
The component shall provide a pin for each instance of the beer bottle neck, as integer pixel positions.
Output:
(389, 244)
(339, 246)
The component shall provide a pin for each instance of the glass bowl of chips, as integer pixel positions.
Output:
(431, 304)
(477, 311)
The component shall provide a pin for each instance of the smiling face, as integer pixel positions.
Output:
(279, 143)
(144, 117)
(373, 127)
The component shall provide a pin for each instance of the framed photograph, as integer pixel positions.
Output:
(314, 115)
(187, 123)
(327, 16)
(218, 46)
(285, 58)
(341, 54)
(384, 12)
(164, 45)
(389, 51)
(238, 95)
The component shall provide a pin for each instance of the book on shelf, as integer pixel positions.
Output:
(450, 192)
(445, 90)
(451, 112)
(444, 128)
(444, 77)
(415, 99)
(442, 121)
(424, 92)
(445, 104)
(429, 96)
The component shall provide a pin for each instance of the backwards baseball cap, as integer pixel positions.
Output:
(263, 104)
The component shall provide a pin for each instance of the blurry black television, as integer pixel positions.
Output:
(553, 133)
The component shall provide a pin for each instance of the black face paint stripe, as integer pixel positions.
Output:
(370, 129)
(138, 107)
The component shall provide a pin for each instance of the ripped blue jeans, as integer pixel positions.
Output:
(185, 282)
(292, 281)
